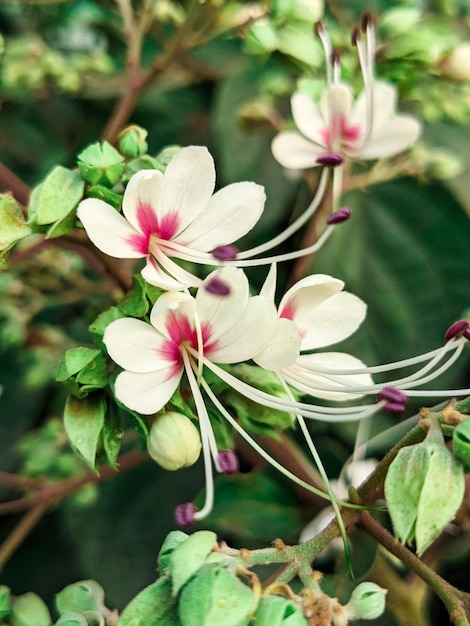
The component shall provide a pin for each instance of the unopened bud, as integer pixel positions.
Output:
(101, 164)
(174, 441)
(367, 602)
(457, 64)
(132, 141)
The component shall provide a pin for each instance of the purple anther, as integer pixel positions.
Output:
(341, 215)
(395, 407)
(335, 57)
(458, 329)
(355, 35)
(393, 396)
(225, 253)
(184, 514)
(367, 21)
(467, 333)
(318, 28)
(330, 159)
(228, 461)
(217, 287)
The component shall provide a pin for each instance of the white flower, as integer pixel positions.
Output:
(174, 214)
(317, 313)
(341, 126)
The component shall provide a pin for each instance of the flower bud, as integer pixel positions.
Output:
(278, 611)
(101, 164)
(367, 602)
(457, 64)
(461, 443)
(174, 441)
(132, 141)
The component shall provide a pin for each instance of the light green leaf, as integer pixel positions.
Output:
(215, 596)
(5, 601)
(30, 610)
(12, 223)
(172, 540)
(59, 195)
(189, 556)
(83, 421)
(74, 360)
(279, 611)
(153, 606)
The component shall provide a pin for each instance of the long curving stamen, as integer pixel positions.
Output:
(322, 34)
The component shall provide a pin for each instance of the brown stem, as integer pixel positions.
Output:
(21, 531)
(10, 182)
(457, 602)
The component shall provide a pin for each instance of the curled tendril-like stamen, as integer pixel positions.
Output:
(228, 461)
(184, 514)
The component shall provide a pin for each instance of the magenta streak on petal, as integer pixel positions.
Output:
(149, 223)
(348, 134)
(288, 311)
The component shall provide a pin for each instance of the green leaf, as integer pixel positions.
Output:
(103, 320)
(189, 556)
(74, 360)
(112, 434)
(86, 595)
(103, 193)
(153, 606)
(84, 420)
(172, 540)
(13, 226)
(461, 443)
(59, 195)
(30, 610)
(5, 601)
(215, 596)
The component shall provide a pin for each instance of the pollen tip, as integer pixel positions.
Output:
(330, 159)
(228, 461)
(341, 215)
(225, 253)
(457, 329)
(394, 407)
(394, 398)
(318, 28)
(335, 57)
(185, 514)
(217, 287)
(355, 35)
(367, 21)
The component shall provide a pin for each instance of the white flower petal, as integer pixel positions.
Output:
(299, 301)
(335, 103)
(135, 345)
(293, 151)
(249, 336)
(230, 214)
(384, 103)
(308, 118)
(283, 348)
(306, 366)
(331, 321)
(189, 181)
(147, 393)
(142, 200)
(173, 315)
(109, 230)
(268, 290)
(155, 275)
(397, 135)
(218, 313)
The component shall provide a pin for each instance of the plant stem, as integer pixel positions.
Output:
(10, 182)
(21, 531)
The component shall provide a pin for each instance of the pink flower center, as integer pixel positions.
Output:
(340, 129)
(181, 331)
(149, 225)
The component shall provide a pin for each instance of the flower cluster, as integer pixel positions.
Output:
(199, 328)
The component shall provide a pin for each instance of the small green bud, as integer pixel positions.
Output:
(456, 65)
(174, 441)
(101, 164)
(279, 611)
(132, 141)
(461, 443)
(86, 595)
(30, 610)
(367, 602)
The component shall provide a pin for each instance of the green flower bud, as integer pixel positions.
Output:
(279, 611)
(457, 64)
(367, 602)
(423, 488)
(174, 441)
(30, 610)
(101, 164)
(461, 443)
(132, 141)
